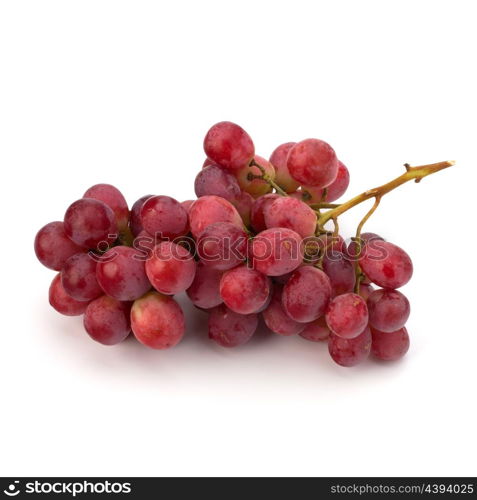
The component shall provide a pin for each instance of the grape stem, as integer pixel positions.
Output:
(267, 178)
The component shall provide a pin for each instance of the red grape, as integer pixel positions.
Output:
(78, 277)
(292, 214)
(121, 274)
(215, 180)
(365, 291)
(157, 321)
(316, 331)
(341, 273)
(114, 199)
(244, 290)
(390, 346)
(208, 162)
(313, 163)
(187, 204)
(276, 318)
(255, 187)
(53, 247)
(144, 243)
(243, 203)
(354, 252)
(210, 209)
(222, 246)
(257, 216)
(62, 302)
(205, 289)
(282, 176)
(107, 320)
(89, 222)
(334, 191)
(388, 310)
(230, 329)
(347, 315)
(350, 352)
(171, 268)
(277, 251)
(386, 264)
(229, 145)
(165, 216)
(306, 294)
(135, 222)
(331, 245)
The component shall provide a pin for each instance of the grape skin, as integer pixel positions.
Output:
(215, 180)
(210, 209)
(171, 268)
(114, 199)
(341, 273)
(257, 216)
(62, 302)
(306, 294)
(350, 352)
(313, 163)
(316, 331)
(164, 216)
(334, 191)
(78, 277)
(204, 291)
(106, 320)
(222, 246)
(255, 187)
(144, 243)
(135, 223)
(53, 247)
(354, 252)
(282, 176)
(244, 290)
(386, 265)
(388, 310)
(88, 222)
(228, 144)
(230, 329)
(157, 321)
(390, 346)
(277, 251)
(292, 214)
(243, 203)
(276, 318)
(187, 204)
(347, 315)
(365, 291)
(121, 274)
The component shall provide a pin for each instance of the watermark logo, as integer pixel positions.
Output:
(13, 489)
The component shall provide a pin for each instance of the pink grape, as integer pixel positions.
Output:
(341, 273)
(157, 321)
(244, 290)
(277, 251)
(316, 331)
(144, 243)
(334, 191)
(222, 246)
(347, 315)
(228, 145)
(62, 302)
(255, 187)
(106, 320)
(208, 162)
(208, 210)
(390, 346)
(388, 310)
(276, 318)
(216, 180)
(135, 222)
(282, 176)
(89, 222)
(78, 277)
(386, 264)
(114, 199)
(292, 214)
(121, 274)
(230, 329)
(204, 291)
(306, 294)
(350, 352)
(187, 204)
(171, 268)
(243, 203)
(53, 247)
(165, 216)
(257, 215)
(365, 291)
(354, 251)
(313, 163)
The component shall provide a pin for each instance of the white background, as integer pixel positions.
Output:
(123, 92)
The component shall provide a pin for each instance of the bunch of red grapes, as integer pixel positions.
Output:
(249, 246)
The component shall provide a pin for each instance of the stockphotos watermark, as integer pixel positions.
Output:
(66, 488)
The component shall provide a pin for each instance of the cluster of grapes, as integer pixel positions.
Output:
(253, 243)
